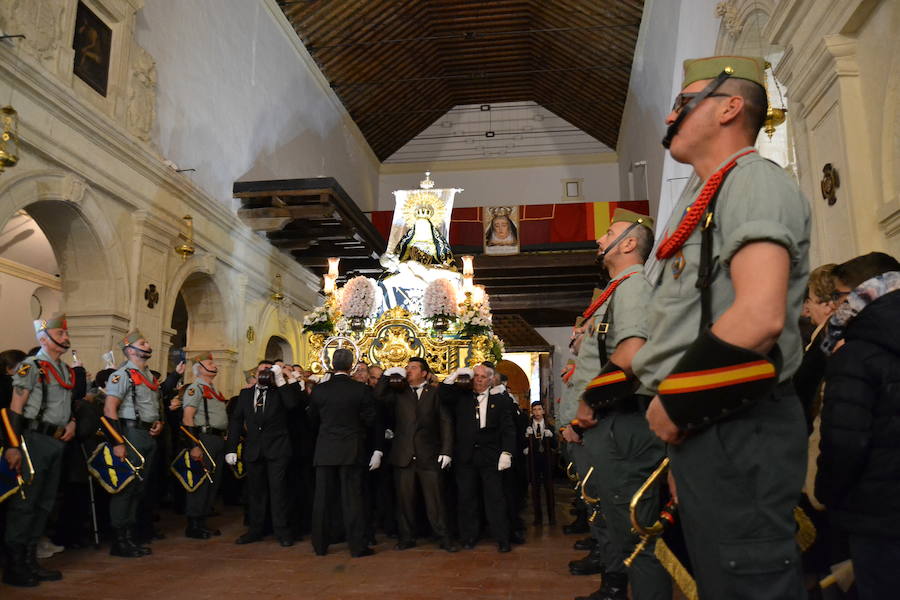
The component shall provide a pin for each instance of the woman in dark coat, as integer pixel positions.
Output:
(859, 464)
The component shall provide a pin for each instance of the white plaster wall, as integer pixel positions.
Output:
(510, 186)
(671, 31)
(236, 100)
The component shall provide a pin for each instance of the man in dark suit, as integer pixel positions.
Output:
(422, 443)
(262, 411)
(485, 438)
(342, 410)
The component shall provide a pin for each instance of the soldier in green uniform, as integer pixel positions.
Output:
(724, 338)
(620, 447)
(40, 412)
(206, 421)
(132, 412)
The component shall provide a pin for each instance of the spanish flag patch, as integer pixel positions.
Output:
(697, 381)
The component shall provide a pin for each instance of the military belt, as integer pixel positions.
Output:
(212, 430)
(44, 428)
(138, 424)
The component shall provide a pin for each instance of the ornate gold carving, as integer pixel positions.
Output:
(395, 338)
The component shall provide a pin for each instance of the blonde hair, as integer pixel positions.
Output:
(821, 282)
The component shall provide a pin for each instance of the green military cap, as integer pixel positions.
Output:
(751, 68)
(55, 322)
(629, 216)
(131, 337)
(202, 356)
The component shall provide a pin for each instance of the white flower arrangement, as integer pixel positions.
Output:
(439, 300)
(319, 320)
(475, 319)
(358, 297)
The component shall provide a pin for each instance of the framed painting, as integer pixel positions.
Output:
(93, 46)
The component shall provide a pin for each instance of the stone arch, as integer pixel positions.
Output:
(278, 347)
(278, 321)
(86, 245)
(92, 265)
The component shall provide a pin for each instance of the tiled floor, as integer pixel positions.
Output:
(195, 569)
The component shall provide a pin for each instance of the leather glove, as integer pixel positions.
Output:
(375, 461)
(396, 371)
(548, 433)
(388, 434)
(505, 461)
(444, 461)
(529, 431)
(461, 371)
(279, 375)
(231, 458)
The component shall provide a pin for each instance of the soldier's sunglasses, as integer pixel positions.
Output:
(681, 100)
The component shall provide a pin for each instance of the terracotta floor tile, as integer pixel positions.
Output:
(218, 569)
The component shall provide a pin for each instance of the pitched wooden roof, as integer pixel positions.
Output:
(398, 65)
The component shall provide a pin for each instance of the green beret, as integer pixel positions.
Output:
(130, 338)
(629, 216)
(55, 322)
(750, 68)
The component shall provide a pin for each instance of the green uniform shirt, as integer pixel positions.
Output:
(193, 397)
(757, 202)
(57, 406)
(120, 386)
(628, 318)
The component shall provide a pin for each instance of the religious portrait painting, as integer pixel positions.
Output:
(501, 230)
(92, 45)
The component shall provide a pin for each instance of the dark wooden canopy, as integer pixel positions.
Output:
(399, 65)
(312, 219)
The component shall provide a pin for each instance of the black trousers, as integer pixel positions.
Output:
(469, 478)
(267, 486)
(350, 480)
(542, 481)
(430, 482)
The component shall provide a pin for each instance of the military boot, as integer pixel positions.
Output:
(589, 565)
(122, 546)
(131, 535)
(614, 586)
(36, 569)
(579, 525)
(17, 572)
(205, 527)
(195, 530)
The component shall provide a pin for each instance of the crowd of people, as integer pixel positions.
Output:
(339, 456)
(782, 440)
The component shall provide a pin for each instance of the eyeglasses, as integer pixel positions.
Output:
(838, 296)
(681, 100)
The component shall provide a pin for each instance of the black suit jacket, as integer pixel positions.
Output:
(474, 444)
(423, 426)
(267, 435)
(343, 411)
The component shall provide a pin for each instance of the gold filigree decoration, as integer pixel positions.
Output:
(424, 204)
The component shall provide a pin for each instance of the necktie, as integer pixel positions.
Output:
(538, 437)
(418, 390)
(261, 401)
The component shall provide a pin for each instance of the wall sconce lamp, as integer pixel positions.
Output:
(186, 250)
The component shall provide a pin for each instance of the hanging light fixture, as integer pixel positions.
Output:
(9, 138)
(186, 250)
(277, 289)
(774, 116)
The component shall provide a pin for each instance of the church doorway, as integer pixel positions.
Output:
(278, 348)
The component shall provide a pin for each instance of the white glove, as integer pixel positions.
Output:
(396, 371)
(497, 389)
(279, 375)
(505, 461)
(548, 432)
(231, 458)
(375, 461)
(461, 371)
(388, 434)
(529, 430)
(444, 461)
(525, 451)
